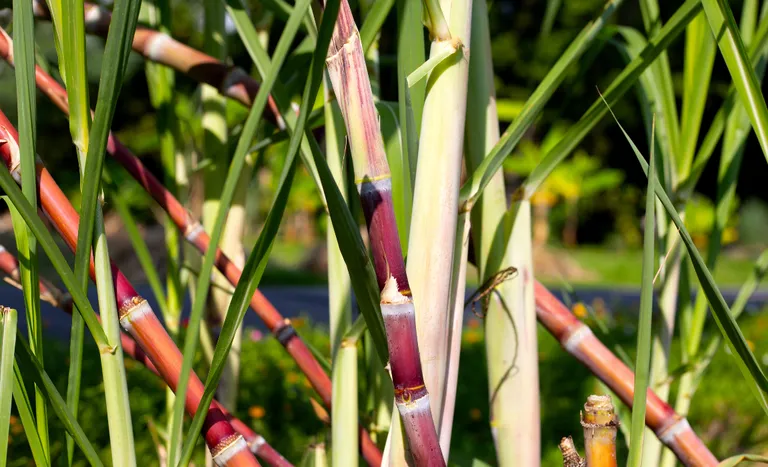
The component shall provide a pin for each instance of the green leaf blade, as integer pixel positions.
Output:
(644, 337)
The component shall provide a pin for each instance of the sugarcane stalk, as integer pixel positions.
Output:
(510, 331)
(161, 82)
(343, 352)
(134, 312)
(600, 425)
(436, 192)
(349, 77)
(577, 339)
(194, 234)
(49, 293)
(215, 139)
(159, 47)
(455, 327)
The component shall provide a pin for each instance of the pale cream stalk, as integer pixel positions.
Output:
(435, 204)
(510, 321)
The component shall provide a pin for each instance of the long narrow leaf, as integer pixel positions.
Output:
(373, 22)
(410, 55)
(615, 91)
(534, 105)
(29, 214)
(24, 57)
(757, 55)
(26, 414)
(745, 359)
(254, 267)
(643, 359)
(116, 51)
(732, 49)
(73, 63)
(346, 228)
(8, 318)
(29, 366)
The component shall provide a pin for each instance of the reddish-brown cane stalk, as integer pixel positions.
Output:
(159, 47)
(51, 294)
(136, 316)
(578, 340)
(349, 77)
(194, 233)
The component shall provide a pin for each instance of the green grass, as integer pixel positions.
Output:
(623, 267)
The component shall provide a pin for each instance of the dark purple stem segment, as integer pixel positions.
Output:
(379, 211)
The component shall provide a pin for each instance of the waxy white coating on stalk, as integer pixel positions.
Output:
(257, 443)
(668, 435)
(574, 340)
(138, 310)
(156, 45)
(228, 449)
(193, 231)
(413, 406)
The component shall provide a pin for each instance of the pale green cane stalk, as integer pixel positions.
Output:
(8, 318)
(215, 144)
(436, 201)
(410, 55)
(115, 385)
(315, 456)
(510, 331)
(455, 327)
(79, 125)
(344, 449)
(161, 80)
(24, 55)
(73, 46)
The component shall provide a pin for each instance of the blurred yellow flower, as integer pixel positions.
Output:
(580, 310)
(472, 337)
(751, 345)
(292, 377)
(16, 427)
(256, 411)
(298, 322)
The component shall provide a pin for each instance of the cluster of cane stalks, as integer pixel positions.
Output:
(575, 337)
(49, 293)
(426, 417)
